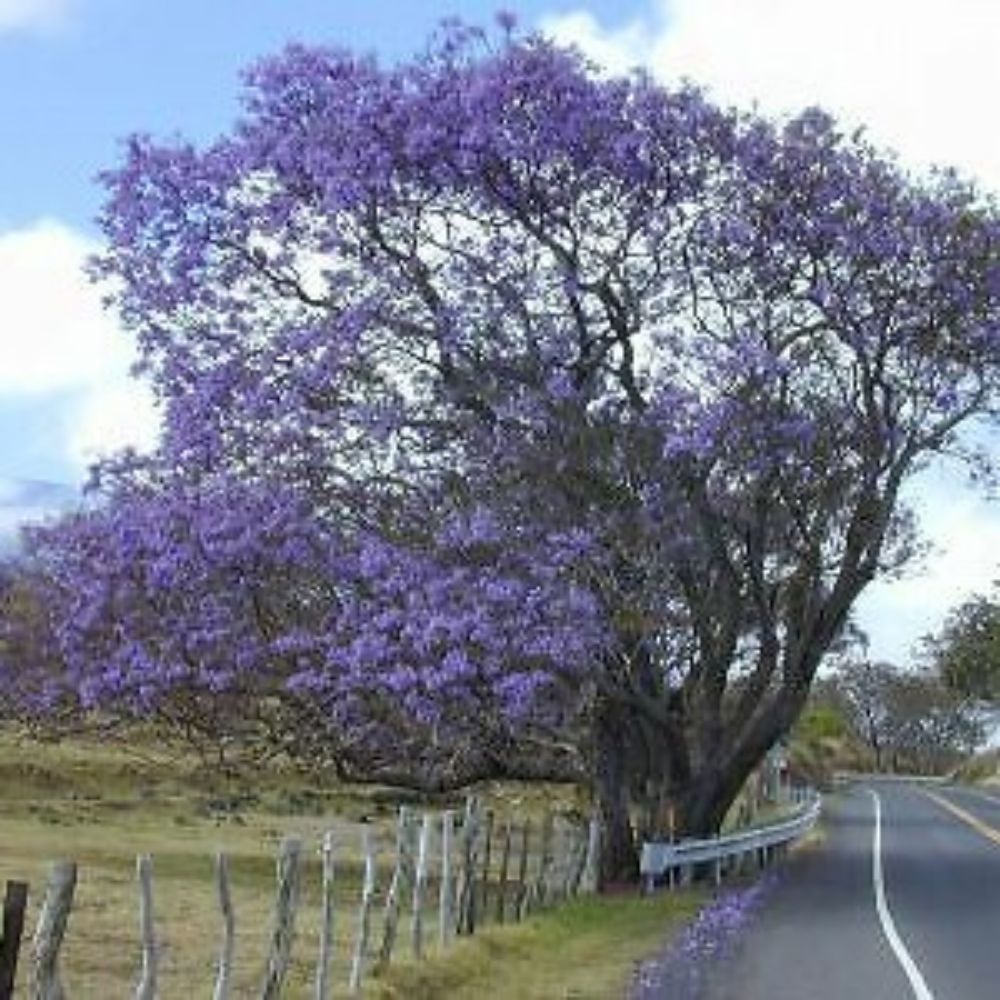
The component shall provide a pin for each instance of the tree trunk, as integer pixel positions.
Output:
(619, 859)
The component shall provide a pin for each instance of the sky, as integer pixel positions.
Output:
(78, 76)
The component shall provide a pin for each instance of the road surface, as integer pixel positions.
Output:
(901, 899)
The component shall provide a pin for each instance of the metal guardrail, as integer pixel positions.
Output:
(663, 859)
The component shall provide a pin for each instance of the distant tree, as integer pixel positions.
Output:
(677, 362)
(966, 652)
(909, 720)
(929, 727)
(864, 690)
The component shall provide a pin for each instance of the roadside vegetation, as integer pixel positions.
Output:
(980, 769)
(100, 803)
(585, 949)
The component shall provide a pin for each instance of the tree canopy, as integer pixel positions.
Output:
(966, 651)
(909, 720)
(518, 414)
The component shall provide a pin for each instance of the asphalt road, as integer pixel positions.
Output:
(926, 926)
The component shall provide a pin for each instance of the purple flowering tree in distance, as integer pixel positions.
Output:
(674, 363)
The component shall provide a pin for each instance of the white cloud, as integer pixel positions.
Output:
(57, 337)
(617, 49)
(921, 75)
(55, 334)
(113, 415)
(15, 14)
(964, 530)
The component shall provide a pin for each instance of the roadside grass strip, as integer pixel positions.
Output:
(989, 832)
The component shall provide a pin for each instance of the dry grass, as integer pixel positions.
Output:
(102, 805)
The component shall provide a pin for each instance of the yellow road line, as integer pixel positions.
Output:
(989, 832)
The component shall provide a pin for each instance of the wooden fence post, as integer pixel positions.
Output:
(589, 877)
(562, 862)
(364, 914)
(14, 902)
(146, 989)
(580, 845)
(224, 974)
(283, 929)
(324, 985)
(467, 876)
(502, 882)
(521, 903)
(545, 861)
(419, 881)
(482, 898)
(402, 879)
(446, 919)
(50, 931)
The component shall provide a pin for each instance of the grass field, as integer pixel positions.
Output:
(101, 804)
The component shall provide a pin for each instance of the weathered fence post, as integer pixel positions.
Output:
(579, 842)
(324, 986)
(522, 900)
(545, 861)
(224, 974)
(402, 879)
(14, 902)
(364, 914)
(467, 876)
(50, 931)
(563, 861)
(482, 898)
(283, 928)
(589, 878)
(419, 881)
(146, 989)
(502, 881)
(446, 920)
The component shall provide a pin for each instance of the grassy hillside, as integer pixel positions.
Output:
(821, 744)
(101, 804)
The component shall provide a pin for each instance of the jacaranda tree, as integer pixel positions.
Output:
(594, 399)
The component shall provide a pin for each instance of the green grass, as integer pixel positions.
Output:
(584, 949)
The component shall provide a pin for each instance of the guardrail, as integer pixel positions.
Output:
(672, 860)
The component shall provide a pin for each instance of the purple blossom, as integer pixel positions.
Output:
(497, 393)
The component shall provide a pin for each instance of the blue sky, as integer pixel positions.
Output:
(76, 76)
(81, 74)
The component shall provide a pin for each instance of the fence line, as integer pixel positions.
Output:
(485, 872)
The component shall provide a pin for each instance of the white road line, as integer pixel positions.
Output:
(920, 989)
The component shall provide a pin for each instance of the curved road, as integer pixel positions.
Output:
(901, 899)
